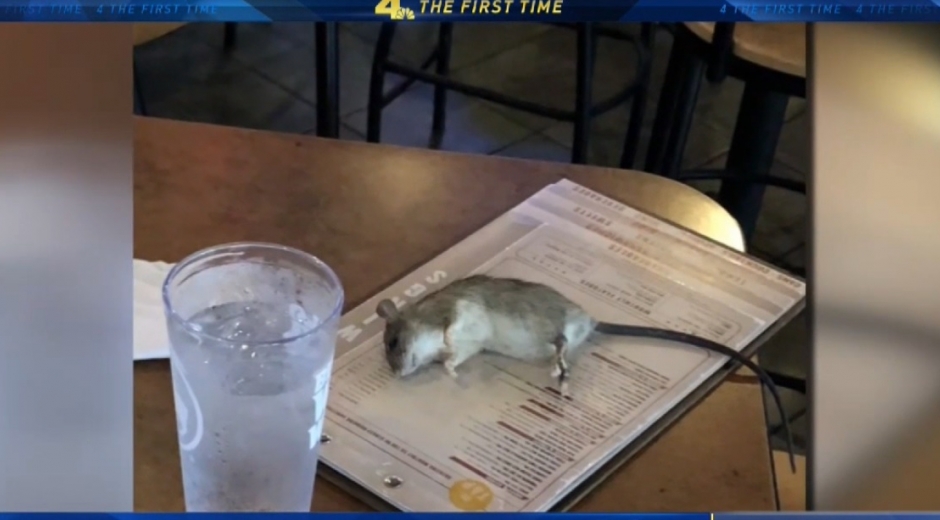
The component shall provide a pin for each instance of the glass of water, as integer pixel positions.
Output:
(252, 330)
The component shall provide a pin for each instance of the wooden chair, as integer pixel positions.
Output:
(771, 61)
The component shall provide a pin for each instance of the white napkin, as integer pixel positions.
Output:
(150, 338)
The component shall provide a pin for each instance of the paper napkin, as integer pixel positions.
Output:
(150, 337)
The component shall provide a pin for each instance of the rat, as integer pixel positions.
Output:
(519, 319)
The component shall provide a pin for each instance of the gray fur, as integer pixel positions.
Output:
(524, 320)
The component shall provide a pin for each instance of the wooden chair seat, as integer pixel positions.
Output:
(147, 32)
(776, 46)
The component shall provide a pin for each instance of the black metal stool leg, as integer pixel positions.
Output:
(756, 133)
(632, 139)
(584, 89)
(139, 105)
(442, 68)
(383, 47)
(228, 36)
(675, 107)
(665, 110)
(327, 64)
(691, 81)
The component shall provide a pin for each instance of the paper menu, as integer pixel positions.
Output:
(501, 438)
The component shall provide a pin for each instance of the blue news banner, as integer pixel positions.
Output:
(478, 516)
(406, 11)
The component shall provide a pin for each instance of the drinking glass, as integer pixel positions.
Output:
(252, 330)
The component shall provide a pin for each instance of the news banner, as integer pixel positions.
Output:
(479, 516)
(406, 11)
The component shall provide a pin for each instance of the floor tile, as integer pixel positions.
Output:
(793, 149)
(788, 352)
(542, 71)
(795, 259)
(537, 147)
(608, 131)
(471, 43)
(781, 226)
(172, 63)
(716, 109)
(471, 126)
(782, 223)
(211, 34)
(712, 124)
(294, 69)
(718, 104)
(249, 37)
(237, 97)
(255, 43)
(795, 406)
(796, 108)
(346, 133)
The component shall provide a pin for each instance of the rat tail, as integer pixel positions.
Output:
(617, 329)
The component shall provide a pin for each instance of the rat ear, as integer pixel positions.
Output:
(387, 310)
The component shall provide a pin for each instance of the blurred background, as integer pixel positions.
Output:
(265, 76)
(876, 442)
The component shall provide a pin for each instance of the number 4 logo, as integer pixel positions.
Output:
(394, 10)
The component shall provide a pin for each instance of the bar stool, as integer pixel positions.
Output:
(327, 68)
(584, 107)
(771, 61)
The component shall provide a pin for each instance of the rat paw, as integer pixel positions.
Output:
(563, 389)
(451, 370)
(556, 371)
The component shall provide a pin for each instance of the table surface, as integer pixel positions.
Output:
(376, 212)
(777, 46)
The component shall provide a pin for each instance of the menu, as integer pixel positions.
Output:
(500, 437)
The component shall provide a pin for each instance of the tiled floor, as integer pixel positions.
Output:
(268, 82)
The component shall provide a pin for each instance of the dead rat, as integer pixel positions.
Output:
(519, 319)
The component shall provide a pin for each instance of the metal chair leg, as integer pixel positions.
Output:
(631, 141)
(665, 111)
(327, 64)
(139, 106)
(691, 73)
(383, 47)
(756, 133)
(228, 36)
(584, 87)
(442, 68)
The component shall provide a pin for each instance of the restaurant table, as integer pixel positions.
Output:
(374, 213)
